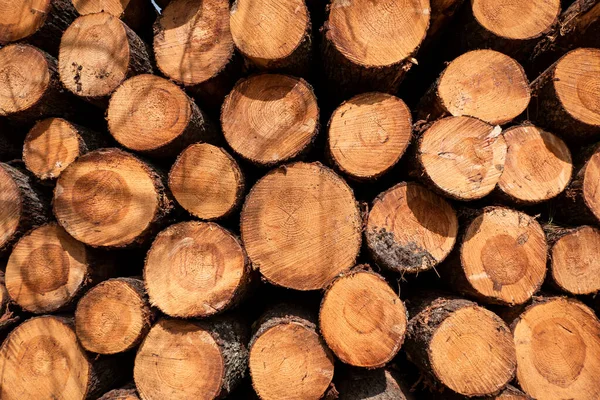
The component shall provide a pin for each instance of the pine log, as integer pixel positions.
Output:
(558, 350)
(109, 198)
(301, 226)
(567, 99)
(181, 360)
(370, 46)
(484, 84)
(113, 316)
(461, 346)
(22, 205)
(196, 269)
(287, 358)
(410, 229)
(54, 143)
(98, 52)
(362, 320)
(137, 14)
(460, 157)
(125, 394)
(273, 34)
(41, 359)
(8, 315)
(368, 134)
(206, 181)
(508, 393)
(151, 115)
(377, 384)
(270, 118)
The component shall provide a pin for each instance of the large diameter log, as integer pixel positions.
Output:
(377, 384)
(151, 115)
(538, 165)
(135, 13)
(113, 316)
(181, 360)
(97, 53)
(484, 84)
(567, 99)
(288, 358)
(558, 350)
(41, 359)
(362, 320)
(301, 226)
(270, 118)
(109, 198)
(273, 34)
(370, 46)
(368, 134)
(410, 229)
(461, 346)
(196, 269)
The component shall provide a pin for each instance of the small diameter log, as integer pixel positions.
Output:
(206, 181)
(54, 143)
(270, 118)
(181, 360)
(461, 157)
(129, 394)
(567, 99)
(137, 14)
(362, 320)
(538, 165)
(98, 52)
(558, 350)
(368, 134)
(196, 269)
(288, 359)
(113, 316)
(410, 229)
(301, 226)
(368, 46)
(461, 346)
(151, 115)
(484, 84)
(273, 34)
(378, 384)
(8, 318)
(109, 198)
(41, 359)
(22, 205)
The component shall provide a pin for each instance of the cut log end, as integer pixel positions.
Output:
(369, 133)
(538, 165)
(206, 181)
(270, 118)
(362, 320)
(11, 211)
(195, 269)
(21, 18)
(558, 350)
(503, 256)
(112, 7)
(591, 184)
(301, 226)
(131, 394)
(410, 229)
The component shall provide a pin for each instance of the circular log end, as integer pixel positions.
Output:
(11, 201)
(21, 18)
(591, 184)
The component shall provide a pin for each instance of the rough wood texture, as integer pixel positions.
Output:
(378, 384)
(137, 14)
(8, 315)
(121, 394)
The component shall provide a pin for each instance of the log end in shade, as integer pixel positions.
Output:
(206, 181)
(503, 255)
(11, 211)
(108, 198)
(369, 133)
(47, 269)
(21, 18)
(195, 269)
(113, 316)
(410, 229)
(516, 20)
(301, 226)
(192, 41)
(391, 30)
(112, 7)
(462, 157)
(538, 165)
(575, 266)
(484, 84)
(362, 320)
(377, 384)
(558, 350)
(270, 118)
(24, 78)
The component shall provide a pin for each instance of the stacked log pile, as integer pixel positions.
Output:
(287, 199)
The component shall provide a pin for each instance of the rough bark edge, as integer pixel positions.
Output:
(126, 391)
(358, 384)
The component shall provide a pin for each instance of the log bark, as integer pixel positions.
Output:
(377, 384)
(126, 393)
(212, 357)
(136, 14)
(109, 198)
(508, 393)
